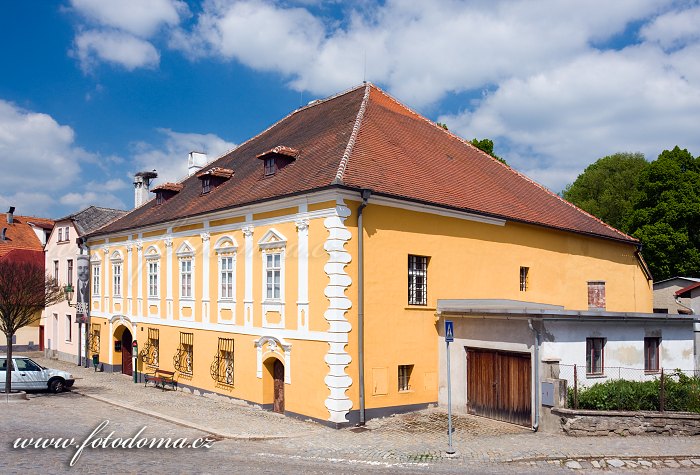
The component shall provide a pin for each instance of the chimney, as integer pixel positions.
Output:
(3, 237)
(11, 215)
(142, 185)
(195, 162)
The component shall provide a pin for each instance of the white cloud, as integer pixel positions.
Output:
(560, 120)
(78, 201)
(32, 203)
(138, 17)
(673, 28)
(115, 47)
(169, 158)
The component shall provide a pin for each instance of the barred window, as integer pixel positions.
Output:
(405, 377)
(95, 340)
(524, 271)
(595, 356)
(149, 354)
(185, 353)
(222, 368)
(417, 280)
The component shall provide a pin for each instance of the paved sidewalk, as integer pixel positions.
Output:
(418, 438)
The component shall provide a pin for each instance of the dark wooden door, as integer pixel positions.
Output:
(126, 353)
(499, 385)
(41, 337)
(278, 375)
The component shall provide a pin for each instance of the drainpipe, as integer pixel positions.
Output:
(361, 303)
(536, 425)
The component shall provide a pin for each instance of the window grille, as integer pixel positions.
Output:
(149, 354)
(595, 356)
(95, 340)
(222, 368)
(523, 278)
(417, 280)
(185, 352)
(405, 377)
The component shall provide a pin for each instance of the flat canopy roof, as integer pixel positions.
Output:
(521, 309)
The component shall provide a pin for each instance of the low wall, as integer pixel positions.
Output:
(596, 423)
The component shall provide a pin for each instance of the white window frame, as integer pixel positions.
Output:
(69, 329)
(152, 276)
(272, 243)
(186, 258)
(226, 247)
(60, 235)
(152, 256)
(117, 281)
(95, 280)
(186, 265)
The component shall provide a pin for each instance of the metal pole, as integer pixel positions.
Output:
(134, 361)
(450, 450)
(80, 337)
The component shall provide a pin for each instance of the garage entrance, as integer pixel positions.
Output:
(499, 385)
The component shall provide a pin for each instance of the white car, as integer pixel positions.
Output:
(27, 374)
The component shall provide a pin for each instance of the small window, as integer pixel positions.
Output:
(222, 368)
(60, 234)
(595, 356)
(523, 278)
(185, 353)
(65, 234)
(159, 198)
(596, 295)
(405, 377)
(206, 184)
(417, 280)
(269, 166)
(55, 270)
(69, 272)
(651, 354)
(660, 310)
(69, 329)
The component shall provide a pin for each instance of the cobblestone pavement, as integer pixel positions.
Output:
(403, 443)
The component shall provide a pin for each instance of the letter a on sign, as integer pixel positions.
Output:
(449, 331)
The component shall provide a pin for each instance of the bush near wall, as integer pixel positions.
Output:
(681, 393)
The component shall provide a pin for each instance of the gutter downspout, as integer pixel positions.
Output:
(677, 298)
(361, 303)
(536, 425)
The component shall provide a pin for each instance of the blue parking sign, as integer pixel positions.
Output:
(449, 331)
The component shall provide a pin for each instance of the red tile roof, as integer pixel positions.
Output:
(685, 291)
(19, 235)
(167, 186)
(217, 172)
(364, 138)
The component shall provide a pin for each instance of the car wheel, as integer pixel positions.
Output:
(57, 385)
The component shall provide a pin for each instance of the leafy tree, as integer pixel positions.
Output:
(667, 214)
(608, 188)
(25, 290)
(486, 145)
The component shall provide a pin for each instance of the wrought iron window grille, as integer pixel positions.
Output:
(185, 354)
(221, 369)
(149, 353)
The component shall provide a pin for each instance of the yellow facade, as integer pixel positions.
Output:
(311, 328)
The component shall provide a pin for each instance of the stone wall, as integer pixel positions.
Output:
(597, 423)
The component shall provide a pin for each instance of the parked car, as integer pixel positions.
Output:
(27, 374)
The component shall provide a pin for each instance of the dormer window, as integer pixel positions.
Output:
(277, 158)
(214, 177)
(166, 191)
(269, 166)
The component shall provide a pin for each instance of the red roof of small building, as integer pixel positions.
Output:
(20, 236)
(685, 291)
(363, 138)
(168, 186)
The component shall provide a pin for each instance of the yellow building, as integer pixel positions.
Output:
(249, 278)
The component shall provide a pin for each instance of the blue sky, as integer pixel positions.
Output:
(92, 91)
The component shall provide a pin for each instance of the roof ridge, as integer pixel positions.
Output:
(353, 136)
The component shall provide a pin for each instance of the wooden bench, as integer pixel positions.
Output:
(162, 377)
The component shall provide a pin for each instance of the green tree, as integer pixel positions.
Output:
(667, 214)
(609, 188)
(486, 145)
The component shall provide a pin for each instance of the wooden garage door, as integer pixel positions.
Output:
(499, 385)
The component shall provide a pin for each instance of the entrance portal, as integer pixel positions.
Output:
(127, 366)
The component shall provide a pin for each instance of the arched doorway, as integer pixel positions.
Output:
(127, 367)
(275, 391)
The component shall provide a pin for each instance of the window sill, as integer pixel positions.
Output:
(420, 307)
(406, 391)
(652, 371)
(595, 376)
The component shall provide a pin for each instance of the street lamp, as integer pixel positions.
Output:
(69, 291)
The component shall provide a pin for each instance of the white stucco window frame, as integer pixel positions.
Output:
(117, 259)
(273, 242)
(95, 262)
(226, 247)
(152, 254)
(185, 253)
